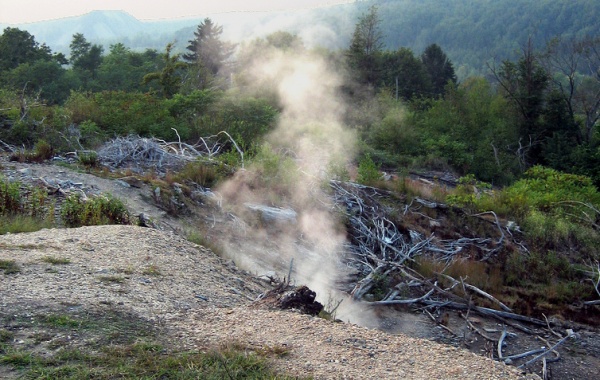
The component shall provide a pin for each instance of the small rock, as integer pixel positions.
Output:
(122, 183)
(25, 172)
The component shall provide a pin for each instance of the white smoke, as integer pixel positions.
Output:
(310, 130)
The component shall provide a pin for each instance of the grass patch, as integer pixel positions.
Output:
(112, 279)
(118, 346)
(6, 336)
(101, 210)
(15, 224)
(56, 260)
(60, 321)
(9, 266)
(152, 270)
(197, 238)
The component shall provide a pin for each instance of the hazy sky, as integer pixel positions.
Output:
(21, 11)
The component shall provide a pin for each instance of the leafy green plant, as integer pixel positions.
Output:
(10, 197)
(42, 150)
(368, 172)
(9, 266)
(56, 260)
(23, 208)
(88, 159)
(77, 211)
(204, 174)
(468, 191)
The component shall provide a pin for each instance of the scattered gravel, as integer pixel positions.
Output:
(203, 301)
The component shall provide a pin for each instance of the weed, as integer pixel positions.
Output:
(42, 151)
(368, 172)
(22, 223)
(9, 266)
(330, 308)
(6, 336)
(203, 174)
(89, 159)
(112, 279)
(60, 321)
(56, 260)
(152, 270)
(10, 197)
(197, 238)
(100, 210)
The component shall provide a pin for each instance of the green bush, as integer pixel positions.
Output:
(204, 174)
(368, 172)
(77, 211)
(10, 198)
(42, 150)
(468, 192)
(88, 159)
(18, 199)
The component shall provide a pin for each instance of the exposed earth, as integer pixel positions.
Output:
(198, 300)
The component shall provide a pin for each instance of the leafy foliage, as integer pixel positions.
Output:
(77, 211)
(368, 172)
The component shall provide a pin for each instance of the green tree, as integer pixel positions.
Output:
(525, 83)
(18, 46)
(86, 58)
(365, 46)
(207, 52)
(123, 69)
(439, 68)
(169, 78)
(472, 130)
(404, 74)
(48, 79)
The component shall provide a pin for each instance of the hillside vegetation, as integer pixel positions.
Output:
(471, 32)
(276, 122)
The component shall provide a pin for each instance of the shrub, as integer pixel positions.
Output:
(10, 197)
(368, 172)
(468, 192)
(77, 211)
(42, 150)
(16, 199)
(88, 159)
(204, 174)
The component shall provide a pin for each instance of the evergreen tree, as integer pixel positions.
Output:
(525, 84)
(439, 68)
(169, 77)
(404, 74)
(365, 47)
(207, 49)
(86, 58)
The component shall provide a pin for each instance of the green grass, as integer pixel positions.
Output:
(152, 270)
(60, 321)
(112, 279)
(111, 345)
(22, 223)
(56, 260)
(197, 238)
(9, 266)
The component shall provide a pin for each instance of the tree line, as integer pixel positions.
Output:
(409, 109)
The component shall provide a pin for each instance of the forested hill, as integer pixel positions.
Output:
(471, 32)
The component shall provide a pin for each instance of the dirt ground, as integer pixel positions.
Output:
(396, 343)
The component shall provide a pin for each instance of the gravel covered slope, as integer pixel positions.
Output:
(202, 301)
